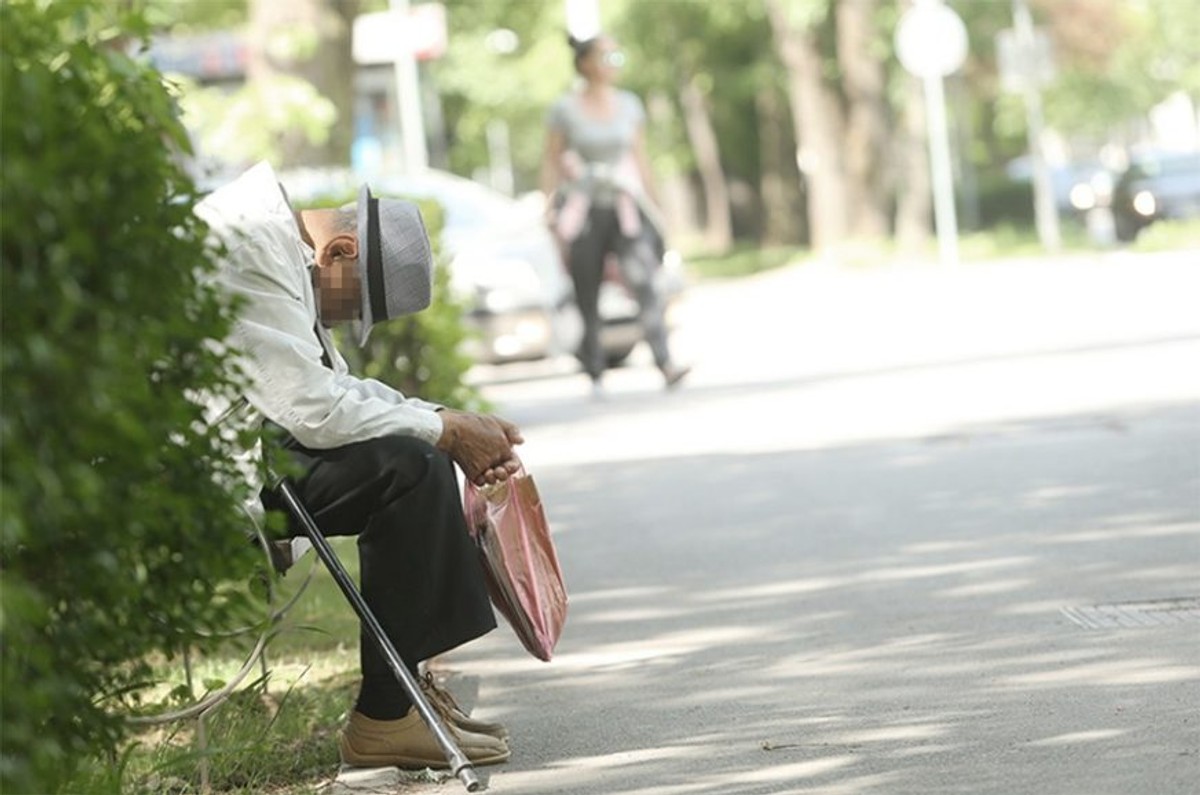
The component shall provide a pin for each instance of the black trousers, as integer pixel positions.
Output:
(601, 236)
(420, 573)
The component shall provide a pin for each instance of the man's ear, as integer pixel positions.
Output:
(343, 246)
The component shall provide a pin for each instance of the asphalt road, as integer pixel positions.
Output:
(869, 546)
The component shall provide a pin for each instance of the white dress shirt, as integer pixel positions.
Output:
(266, 265)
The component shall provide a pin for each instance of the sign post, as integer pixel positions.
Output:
(408, 96)
(402, 36)
(1033, 64)
(931, 43)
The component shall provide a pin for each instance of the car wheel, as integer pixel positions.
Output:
(1126, 230)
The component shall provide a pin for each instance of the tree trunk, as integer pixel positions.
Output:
(865, 143)
(675, 191)
(311, 40)
(698, 121)
(914, 199)
(820, 127)
(779, 181)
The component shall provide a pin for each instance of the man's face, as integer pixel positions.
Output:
(339, 293)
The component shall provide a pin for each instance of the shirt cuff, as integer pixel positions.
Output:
(431, 432)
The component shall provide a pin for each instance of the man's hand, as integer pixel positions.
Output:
(482, 445)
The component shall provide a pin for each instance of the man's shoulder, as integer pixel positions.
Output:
(251, 210)
(256, 192)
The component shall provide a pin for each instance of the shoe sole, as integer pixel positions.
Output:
(491, 730)
(415, 763)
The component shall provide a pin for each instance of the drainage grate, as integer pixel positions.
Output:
(1157, 613)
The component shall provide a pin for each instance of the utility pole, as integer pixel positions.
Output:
(408, 100)
(931, 43)
(1045, 211)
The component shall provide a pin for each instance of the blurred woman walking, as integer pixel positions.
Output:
(600, 198)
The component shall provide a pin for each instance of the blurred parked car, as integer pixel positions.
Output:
(503, 264)
(1064, 177)
(1154, 187)
(506, 266)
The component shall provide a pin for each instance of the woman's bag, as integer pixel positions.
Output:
(520, 564)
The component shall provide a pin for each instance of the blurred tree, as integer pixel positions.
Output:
(506, 62)
(296, 107)
(1118, 59)
(802, 31)
(195, 16)
(838, 64)
(270, 119)
(779, 176)
(862, 52)
(717, 48)
(309, 41)
(695, 77)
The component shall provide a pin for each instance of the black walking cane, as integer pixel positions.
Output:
(459, 764)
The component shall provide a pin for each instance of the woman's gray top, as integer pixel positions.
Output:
(599, 142)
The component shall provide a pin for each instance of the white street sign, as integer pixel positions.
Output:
(931, 40)
(381, 36)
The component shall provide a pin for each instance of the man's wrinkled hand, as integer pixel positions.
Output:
(481, 445)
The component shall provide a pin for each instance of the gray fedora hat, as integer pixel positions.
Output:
(395, 264)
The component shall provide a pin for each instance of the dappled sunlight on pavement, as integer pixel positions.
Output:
(857, 575)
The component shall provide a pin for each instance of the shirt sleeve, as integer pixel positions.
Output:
(281, 357)
(371, 387)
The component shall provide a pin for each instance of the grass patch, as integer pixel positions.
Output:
(260, 740)
(275, 735)
(742, 260)
(1169, 235)
(1002, 241)
(1007, 240)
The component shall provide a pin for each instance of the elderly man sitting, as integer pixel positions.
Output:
(374, 463)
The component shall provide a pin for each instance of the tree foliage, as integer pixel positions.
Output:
(718, 43)
(1116, 61)
(121, 521)
(258, 120)
(481, 84)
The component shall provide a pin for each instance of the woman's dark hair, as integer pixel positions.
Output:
(582, 48)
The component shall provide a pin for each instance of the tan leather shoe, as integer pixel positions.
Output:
(408, 743)
(443, 701)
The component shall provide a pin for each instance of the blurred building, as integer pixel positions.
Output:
(220, 60)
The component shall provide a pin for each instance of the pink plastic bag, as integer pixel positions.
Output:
(520, 565)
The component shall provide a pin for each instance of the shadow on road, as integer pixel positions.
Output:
(873, 618)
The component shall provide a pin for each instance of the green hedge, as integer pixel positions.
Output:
(120, 530)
